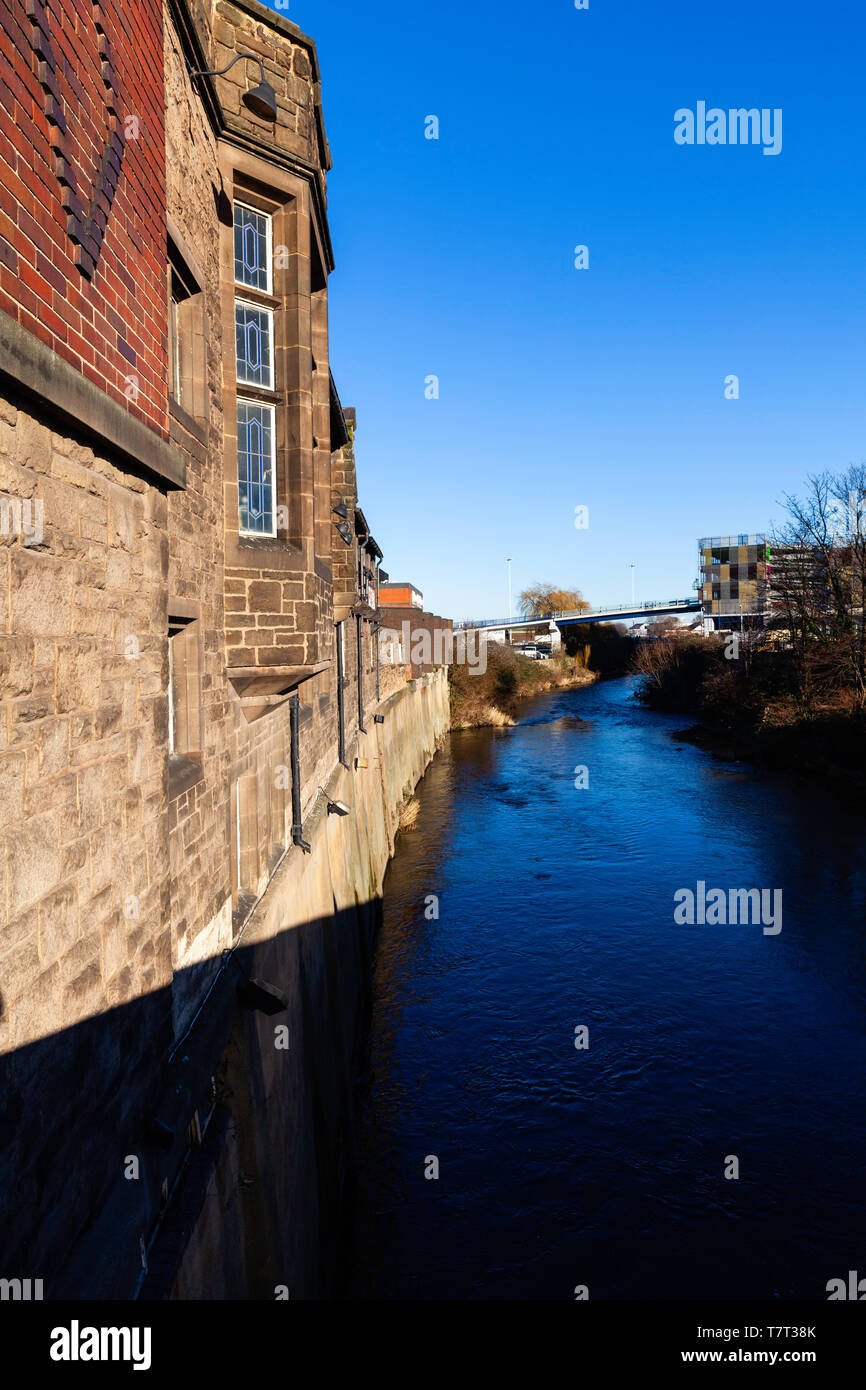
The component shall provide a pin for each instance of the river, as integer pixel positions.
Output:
(603, 1167)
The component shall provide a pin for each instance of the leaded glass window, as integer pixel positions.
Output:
(252, 248)
(254, 344)
(256, 444)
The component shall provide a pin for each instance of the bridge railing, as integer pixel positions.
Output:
(648, 607)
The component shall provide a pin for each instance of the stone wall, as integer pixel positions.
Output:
(84, 861)
(290, 65)
(129, 867)
(271, 1197)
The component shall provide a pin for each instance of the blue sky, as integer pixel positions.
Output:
(604, 387)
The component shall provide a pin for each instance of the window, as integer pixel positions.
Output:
(175, 375)
(254, 358)
(252, 248)
(186, 357)
(184, 688)
(246, 885)
(277, 804)
(259, 805)
(254, 339)
(256, 458)
(359, 622)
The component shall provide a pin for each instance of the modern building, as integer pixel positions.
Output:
(734, 580)
(188, 657)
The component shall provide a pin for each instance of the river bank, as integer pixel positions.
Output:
(492, 698)
(830, 751)
(750, 710)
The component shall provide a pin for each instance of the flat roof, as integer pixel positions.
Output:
(744, 538)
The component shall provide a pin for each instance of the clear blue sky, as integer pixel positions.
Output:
(603, 387)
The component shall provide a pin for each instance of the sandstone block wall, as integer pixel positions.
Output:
(271, 1201)
(84, 845)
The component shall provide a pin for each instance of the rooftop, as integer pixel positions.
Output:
(744, 538)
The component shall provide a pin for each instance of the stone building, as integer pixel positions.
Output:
(188, 663)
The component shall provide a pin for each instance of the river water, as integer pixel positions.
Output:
(604, 1166)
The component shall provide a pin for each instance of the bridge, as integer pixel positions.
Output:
(610, 613)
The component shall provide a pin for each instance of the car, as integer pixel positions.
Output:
(542, 654)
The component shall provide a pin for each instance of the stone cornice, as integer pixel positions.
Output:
(45, 377)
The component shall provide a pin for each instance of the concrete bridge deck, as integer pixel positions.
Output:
(609, 614)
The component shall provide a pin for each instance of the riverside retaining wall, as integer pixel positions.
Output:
(262, 1218)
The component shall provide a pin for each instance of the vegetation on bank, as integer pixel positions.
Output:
(754, 707)
(491, 697)
(792, 694)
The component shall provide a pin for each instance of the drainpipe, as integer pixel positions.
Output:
(294, 727)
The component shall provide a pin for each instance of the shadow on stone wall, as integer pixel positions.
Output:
(98, 1165)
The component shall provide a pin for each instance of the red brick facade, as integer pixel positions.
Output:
(82, 199)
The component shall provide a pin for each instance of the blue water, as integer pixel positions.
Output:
(605, 1167)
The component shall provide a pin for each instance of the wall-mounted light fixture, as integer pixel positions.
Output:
(345, 533)
(341, 511)
(338, 808)
(261, 100)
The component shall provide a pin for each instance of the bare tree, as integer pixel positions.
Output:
(817, 583)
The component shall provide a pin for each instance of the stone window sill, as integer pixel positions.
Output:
(191, 423)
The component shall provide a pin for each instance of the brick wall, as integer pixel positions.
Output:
(82, 198)
(433, 634)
